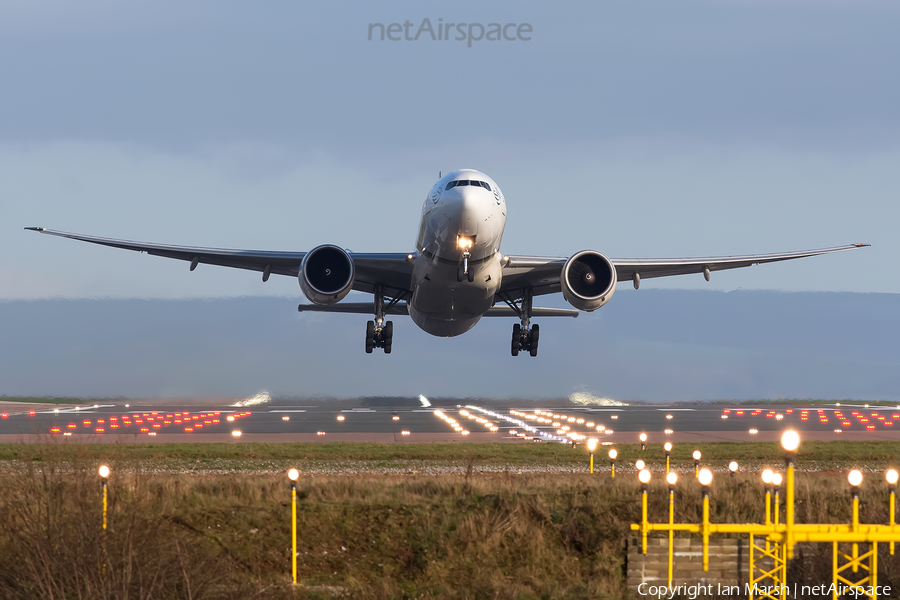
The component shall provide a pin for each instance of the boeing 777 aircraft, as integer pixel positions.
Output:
(456, 275)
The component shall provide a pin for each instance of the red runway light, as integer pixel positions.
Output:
(145, 429)
(54, 430)
(4, 416)
(99, 430)
(188, 429)
(71, 425)
(31, 413)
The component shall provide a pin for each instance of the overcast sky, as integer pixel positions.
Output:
(651, 129)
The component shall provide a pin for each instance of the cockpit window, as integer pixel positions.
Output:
(460, 182)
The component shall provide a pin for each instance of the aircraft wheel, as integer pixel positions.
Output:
(370, 336)
(517, 332)
(535, 334)
(388, 332)
(471, 275)
(460, 275)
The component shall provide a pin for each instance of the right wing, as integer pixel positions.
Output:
(392, 270)
(541, 273)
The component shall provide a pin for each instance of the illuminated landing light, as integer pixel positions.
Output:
(320, 433)
(608, 432)
(236, 433)
(779, 417)
(229, 418)
(670, 417)
(67, 433)
(839, 431)
(404, 432)
(614, 417)
(513, 432)
(285, 418)
(464, 432)
(589, 424)
(668, 431)
(153, 433)
(724, 417)
(395, 418)
(340, 417)
(753, 431)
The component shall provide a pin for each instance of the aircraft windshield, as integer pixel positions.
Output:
(460, 182)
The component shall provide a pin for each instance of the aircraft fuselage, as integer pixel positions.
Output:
(458, 270)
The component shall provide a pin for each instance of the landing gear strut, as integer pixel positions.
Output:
(524, 337)
(380, 333)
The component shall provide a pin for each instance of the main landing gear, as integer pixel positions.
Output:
(380, 333)
(524, 336)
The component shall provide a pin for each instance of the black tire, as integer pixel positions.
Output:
(471, 275)
(388, 333)
(459, 273)
(517, 332)
(535, 335)
(370, 336)
(387, 347)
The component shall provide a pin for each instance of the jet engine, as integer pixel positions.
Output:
(326, 275)
(588, 280)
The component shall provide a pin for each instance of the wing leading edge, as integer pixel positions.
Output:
(542, 273)
(388, 269)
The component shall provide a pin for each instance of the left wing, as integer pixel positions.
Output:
(542, 273)
(387, 269)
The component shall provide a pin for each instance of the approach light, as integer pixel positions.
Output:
(644, 476)
(705, 477)
(696, 455)
(643, 437)
(639, 465)
(103, 471)
(592, 444)
(790, 440)
(776, 479)
(293, 474)
(236, 433)
(891, 476)
(672, 478)
(613, 454)
(667, 446)
(767, 476)
(733, 467)
(855, 477)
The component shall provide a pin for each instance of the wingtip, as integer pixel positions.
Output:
(34, 229)
(862, 245)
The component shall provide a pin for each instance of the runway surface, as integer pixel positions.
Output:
(410, 420)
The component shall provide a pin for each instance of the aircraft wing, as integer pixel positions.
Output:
(366, 308)
(542, 273)
(387, 269)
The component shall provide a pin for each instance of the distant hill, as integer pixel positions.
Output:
(644, 345)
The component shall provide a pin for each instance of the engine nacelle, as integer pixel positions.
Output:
(326, 275)
(588, 280)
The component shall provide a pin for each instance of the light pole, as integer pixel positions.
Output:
(732, 468)
(103, 471)
(705, 477)
(891, 477)
(671, 479)
(294, 475)
(790, 441)
(767, 483)
(644, 478)
(668, 448)
(855, 478)
(696, 456)
(776, 486)
(612, 461)
(592, 445)
(643, 438)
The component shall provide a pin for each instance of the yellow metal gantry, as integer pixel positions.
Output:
(772, 542)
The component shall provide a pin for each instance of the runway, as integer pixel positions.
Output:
(409, 420)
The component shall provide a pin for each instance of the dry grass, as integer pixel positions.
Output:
(501, 535)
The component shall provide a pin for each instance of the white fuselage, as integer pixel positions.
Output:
(463, 224)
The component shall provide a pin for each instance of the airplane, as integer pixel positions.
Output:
(456, 275)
